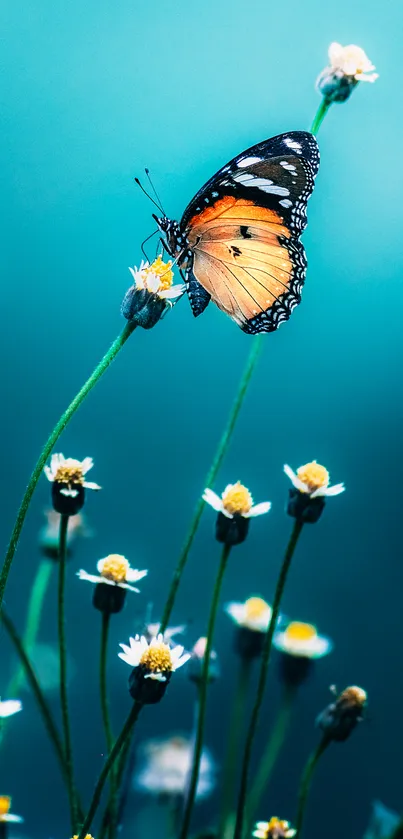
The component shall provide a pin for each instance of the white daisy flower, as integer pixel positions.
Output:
(114, 570)
(254, 614)
(70, 472)
(5, 815)
(157, 278)
(165, 766)
(313, 479)
(156, 658)
(351, 61)
(10, 707)
(274, 829)
(302, 640)
(235, 500)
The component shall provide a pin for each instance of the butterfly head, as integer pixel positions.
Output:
(175, 240)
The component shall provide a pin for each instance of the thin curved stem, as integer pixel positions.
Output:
(109, 763)
(234, 733)
(306, 781)
(320, 115)
(211, 476)
(64, 522)
(203, 694)
(46, 714)
(47, 449)
(34, 614)
(105, 715)
(271, 753)
(254, 720)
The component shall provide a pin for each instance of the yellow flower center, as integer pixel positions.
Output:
(157, 659)
(115, 567)
(277, 828)
(70, 472)
(237, 499)
(255, 607)
(87, 836)
(162, 270)
(297, 631)
(5, 804)
(314, 476)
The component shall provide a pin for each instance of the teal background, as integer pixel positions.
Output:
(93, 93)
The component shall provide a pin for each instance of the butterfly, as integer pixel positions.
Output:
(238, 240)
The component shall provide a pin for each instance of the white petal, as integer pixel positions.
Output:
(10, 707)
(261, 825)
(182, 661)
(100, 565)
(128, 659)
(87, 464)
(125, 586)
(133, 575)
(236, 611)
(334, 490)
(176, 653)
(175, 291)
(335, 53)
(371, 77)
(48, 472)
(295, 479)
(82, 575)
(9, 817)
(259, 509)
(91, 485)
(157, 677)
(69, 493)
(214, 500)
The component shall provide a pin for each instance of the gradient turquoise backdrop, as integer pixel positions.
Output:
(93, 92)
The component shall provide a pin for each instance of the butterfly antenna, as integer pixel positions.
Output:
(149, 196)
(147, 171)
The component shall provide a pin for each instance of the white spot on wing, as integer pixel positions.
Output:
(248, 161)
(292, 144)
(285, 202)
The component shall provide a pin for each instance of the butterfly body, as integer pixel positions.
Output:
(238, 240)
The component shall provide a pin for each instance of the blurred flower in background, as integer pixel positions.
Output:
(382, 822)
(347, 66)
(274, 829)
(10, 707)
(49, 533)
(164, 767)
(5, 815)
(252, 619)
(299, 645)
(196, 662)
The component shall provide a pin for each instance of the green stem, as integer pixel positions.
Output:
(109, 763)
(46, 451)
(235, 728)
(34, 615)
(296, 531)
(212, 474)
(105, 715)
(64, 522)
(306, 781)
(36, 690)
(203, 694)
(320, 115)
(271, 753)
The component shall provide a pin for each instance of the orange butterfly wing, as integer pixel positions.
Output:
(246, 259)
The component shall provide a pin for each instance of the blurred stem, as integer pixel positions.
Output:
(271, 752)
(173, 815)
(320, 115)
(204, 681)
(254, 720)
(211, 476)
(398, 831)
(231, 758)
(64, 522)
(124, 735)
(106, 717)
(306, 781)
(32, 680)
(46, 451)
(34, 614)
